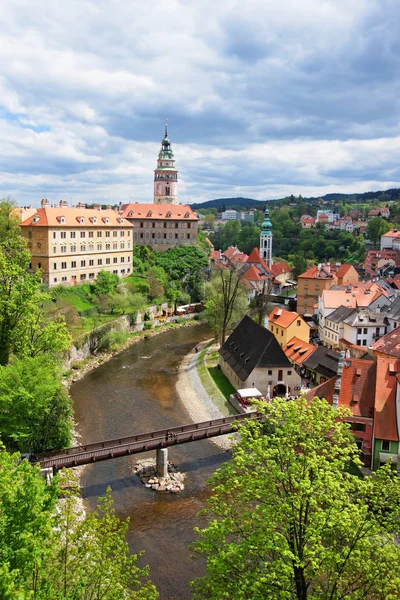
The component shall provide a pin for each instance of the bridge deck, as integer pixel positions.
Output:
(142, 442)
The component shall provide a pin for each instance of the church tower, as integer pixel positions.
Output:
(166, 176)
(266, 239)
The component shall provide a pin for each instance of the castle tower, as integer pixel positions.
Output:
(166, 176)
(266, 239)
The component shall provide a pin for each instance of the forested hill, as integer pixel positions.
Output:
(246, 203)
(224, 203)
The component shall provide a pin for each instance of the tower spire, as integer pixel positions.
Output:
(166, 175)
(266, 239)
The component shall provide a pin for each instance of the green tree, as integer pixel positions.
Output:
(377, 227)
(299, 264)
(226, 301)
(106, 283)
(49, 551)
(157, 280)
(18, 289)
(27, 511)
(287, 520)
(35, 410)
(9, 220)
(40, 332)
(261, 302)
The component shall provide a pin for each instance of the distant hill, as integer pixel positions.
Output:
(246, 203)
(224, 203)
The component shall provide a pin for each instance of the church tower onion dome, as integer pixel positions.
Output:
(266, 239)
(166, 175)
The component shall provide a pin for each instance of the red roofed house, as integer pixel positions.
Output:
(387, 400)
(285, 325)
(353, 388)
(282, 274)
(380, 212)
(377, 259)
(315, 280)
(72, 245)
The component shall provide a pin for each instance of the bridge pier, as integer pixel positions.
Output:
(162, 462)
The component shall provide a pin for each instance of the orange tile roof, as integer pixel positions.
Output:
(53, 217)
(297, 350)
(357, 387)
(385, 421)
(343, 270)
(256, 258)
(389, 344)
(352, 299)
(282, 317)
(230, 252)
(158, 211)
(253, 274)
(239, 257)
(280, 267)
(215, 255)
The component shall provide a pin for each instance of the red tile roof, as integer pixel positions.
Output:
(256, 258)
(230, 252)
(357, 387)
(253, 274)
(385, 421)
(389, 344)
(279, 268)
(72, 217)
(239, 257)
(215, 255)
(158, 211)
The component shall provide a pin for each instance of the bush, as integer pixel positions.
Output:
(147, 325)
(112, 340)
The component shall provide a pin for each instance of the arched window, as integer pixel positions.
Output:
(167, 190)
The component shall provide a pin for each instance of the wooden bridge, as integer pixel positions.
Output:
(141, 442)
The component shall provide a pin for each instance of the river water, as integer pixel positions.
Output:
(133, 393)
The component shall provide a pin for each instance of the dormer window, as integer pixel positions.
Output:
(105, 220)
(35, 219)
(187, 215)
(130, 213)
(150, 214)
(94, 220)
(80, 220)
(169, 214)
(61, 219)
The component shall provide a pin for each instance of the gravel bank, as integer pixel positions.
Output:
(194, 397)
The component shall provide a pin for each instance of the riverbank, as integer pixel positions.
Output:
(94, 361)
(198, 402)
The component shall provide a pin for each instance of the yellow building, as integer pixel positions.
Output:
(72, 245)
(285, 325)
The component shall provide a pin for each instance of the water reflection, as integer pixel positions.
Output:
(135, 392)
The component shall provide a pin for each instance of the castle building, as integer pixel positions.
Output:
(161, 226)
(166, 175)
(266, 239)
(72, 245)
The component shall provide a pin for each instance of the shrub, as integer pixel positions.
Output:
(147, 325)
(111, 340)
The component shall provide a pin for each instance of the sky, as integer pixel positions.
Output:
(264, 98)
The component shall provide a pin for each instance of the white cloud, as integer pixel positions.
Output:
(264, 99)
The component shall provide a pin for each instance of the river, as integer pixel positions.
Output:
(135, 392)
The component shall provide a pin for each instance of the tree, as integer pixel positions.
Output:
(377, 227)
(157, 280)
(35, 410)
(8, 220)
(49, 549)
(288, 521)
(209, 221)
(261, 302)
(105, 283)
(226, 301)
(41, 333)
(299, 264)
(18, 289)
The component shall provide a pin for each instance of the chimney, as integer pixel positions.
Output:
(63, 203)
(97, 206)
(338, 382)
(44, 202)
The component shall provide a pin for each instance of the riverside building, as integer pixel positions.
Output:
(72, 245)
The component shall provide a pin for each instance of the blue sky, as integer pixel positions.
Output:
(264, 98)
